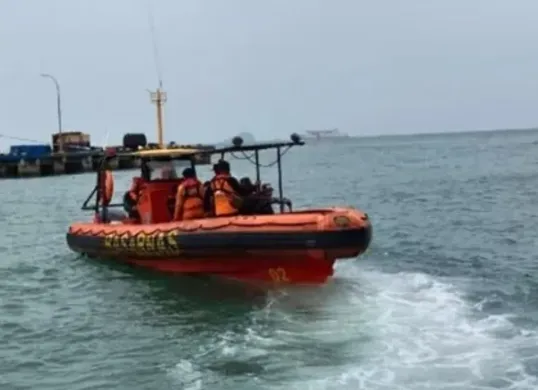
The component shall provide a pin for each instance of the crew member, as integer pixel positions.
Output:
(267, 199)
(225, 190)
(130, 199)
(247, 185)
(168, 172)
(189, 197)
(258, 199)
(136, 187)
(250, 198)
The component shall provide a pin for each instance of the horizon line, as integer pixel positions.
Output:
(450, 132)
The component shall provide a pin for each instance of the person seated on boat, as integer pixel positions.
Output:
(189, 198)
(266, 200)
(247, 185)
(130, 199)
(168, 172)
(258, 199)
(268, 190)
(226, 192)
(249, 206)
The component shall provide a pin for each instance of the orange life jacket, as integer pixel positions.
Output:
(225, 199)
(189, 200)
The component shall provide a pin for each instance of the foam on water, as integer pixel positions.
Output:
(185, 373)
(427, 336)
(372, 330)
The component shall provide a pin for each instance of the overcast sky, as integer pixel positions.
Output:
(268, 67)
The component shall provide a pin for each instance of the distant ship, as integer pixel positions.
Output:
(321, 135)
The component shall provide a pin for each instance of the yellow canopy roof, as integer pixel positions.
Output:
(166, 152)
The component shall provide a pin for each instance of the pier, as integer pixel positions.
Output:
(71, 152)
(16, 165)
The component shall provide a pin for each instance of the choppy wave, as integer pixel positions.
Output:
(370, 330)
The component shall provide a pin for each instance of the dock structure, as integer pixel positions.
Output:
(68, 163)
(72, 153)
(22, 166)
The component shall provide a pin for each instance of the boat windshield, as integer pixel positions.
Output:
(165, 170)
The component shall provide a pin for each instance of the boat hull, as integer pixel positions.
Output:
(299, 247)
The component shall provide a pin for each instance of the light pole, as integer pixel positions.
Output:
(59, 106)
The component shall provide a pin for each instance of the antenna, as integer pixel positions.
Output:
(159, 96)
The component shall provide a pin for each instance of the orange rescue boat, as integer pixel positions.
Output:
(287, 247)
